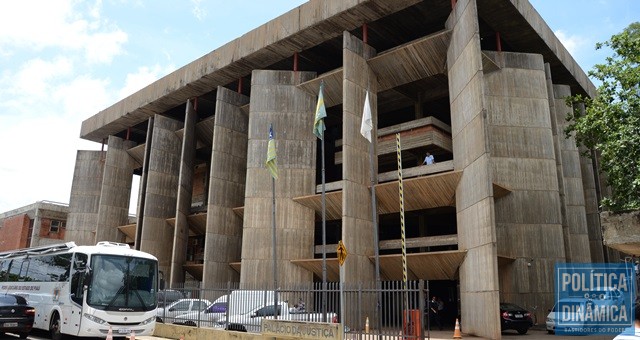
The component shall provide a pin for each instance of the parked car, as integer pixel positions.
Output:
(168, 296)
(252, 321)
(180, 307)
(515, 317)
(206, 318)
(16, 316)
(571, 311)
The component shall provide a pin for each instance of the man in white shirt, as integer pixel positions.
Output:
(428, 159)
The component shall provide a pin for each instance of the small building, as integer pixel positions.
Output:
(478, 84)
(36, 224)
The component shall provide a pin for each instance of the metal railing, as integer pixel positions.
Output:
(367, 310)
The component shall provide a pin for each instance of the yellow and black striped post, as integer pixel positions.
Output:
(402, 233)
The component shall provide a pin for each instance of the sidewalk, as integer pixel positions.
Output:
(533, 334)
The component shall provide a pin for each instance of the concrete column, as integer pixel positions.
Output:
(84, 201)
(576, 219)
(223, 239)
(474, 195)
(161, 191)
(357, 226)
(594, 228)
(115, 193)
(557, 135)
(185, 190)
(276, 100)
(523, 158)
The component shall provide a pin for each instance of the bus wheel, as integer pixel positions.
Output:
(54, 327)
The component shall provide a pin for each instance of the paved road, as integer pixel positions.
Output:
(533, 334)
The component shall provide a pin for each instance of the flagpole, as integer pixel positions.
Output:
(318, 130)
(376, 242)
(324, 239)
(273, 245)
(273, 169)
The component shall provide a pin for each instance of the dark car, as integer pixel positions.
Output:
(16, 316)
(515, 317)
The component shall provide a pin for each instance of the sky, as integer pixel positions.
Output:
(62, 61)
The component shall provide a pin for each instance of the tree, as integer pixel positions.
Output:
(610, 122)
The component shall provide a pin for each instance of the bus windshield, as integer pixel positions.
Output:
(122, 283)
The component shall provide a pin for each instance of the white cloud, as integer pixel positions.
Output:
(573, 43)
(35, 76)
(199, 12)
(143, 77)
(59, 24)
(82, 97)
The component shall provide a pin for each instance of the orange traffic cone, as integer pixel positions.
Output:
(456, 331)
(133, 335)
(109, 334)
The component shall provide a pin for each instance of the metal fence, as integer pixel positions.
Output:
(390, 310)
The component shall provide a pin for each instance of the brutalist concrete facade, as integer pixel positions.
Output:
(479, 84)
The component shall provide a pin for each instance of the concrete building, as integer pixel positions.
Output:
(478, 84)
(37, 224)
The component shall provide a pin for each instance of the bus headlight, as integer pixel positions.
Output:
(148, 321)
(94, 319)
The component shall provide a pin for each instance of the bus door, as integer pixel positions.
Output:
(72, 307)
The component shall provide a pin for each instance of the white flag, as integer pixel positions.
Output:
(367, 123)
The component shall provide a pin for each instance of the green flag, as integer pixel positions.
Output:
(271, 155)
(321, 113)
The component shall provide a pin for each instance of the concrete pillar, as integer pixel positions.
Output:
(594, 228)
(276, 100)
(523, 158)
(161, 191)
(115, 192)
(357, 226)
(84, 201)
(557, 135)
(185, 190)
(576, 220)
(474, 195)
(223, 239)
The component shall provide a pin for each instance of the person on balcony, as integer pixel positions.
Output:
(428, 160)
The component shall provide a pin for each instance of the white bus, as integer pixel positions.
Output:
(85, 290)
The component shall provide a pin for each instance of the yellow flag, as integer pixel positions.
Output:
(271, 155)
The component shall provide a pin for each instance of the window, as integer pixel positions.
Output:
(56, 225)
(181, 306)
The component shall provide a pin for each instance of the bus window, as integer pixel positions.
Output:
(120, 283)
(4, 270)
(77, 280)
(49, 268)
(14, 270)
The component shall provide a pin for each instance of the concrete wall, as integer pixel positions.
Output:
(161, 191)
(115, 192)
(474, 195)
(185, 189)
(223, 239)
(276, 100)
(523, 158)
(84, 202)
